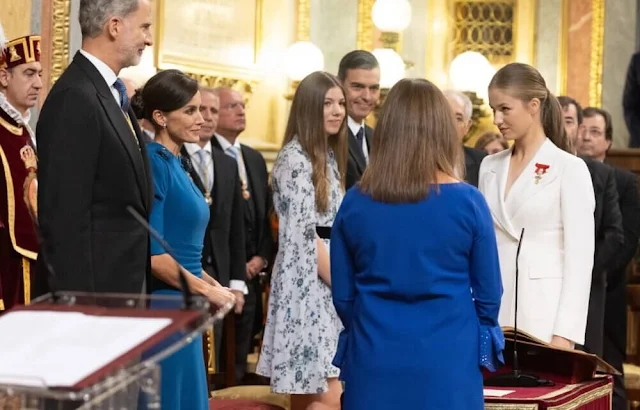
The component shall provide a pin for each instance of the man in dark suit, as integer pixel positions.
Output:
(257, 202)
(216, 175)
(92, 162)
(462, 110)
(608, 226)
(359, 73)
(631, 101)
(595, 141)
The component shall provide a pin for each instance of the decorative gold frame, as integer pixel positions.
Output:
(364, 26)
(241, 79)
(59, 39)
(438, 55)
(303, 20)
(597, 51)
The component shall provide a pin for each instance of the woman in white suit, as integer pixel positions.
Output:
(539, 186)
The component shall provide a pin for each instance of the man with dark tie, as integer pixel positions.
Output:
(216, 175)
(608, 224)
(92, 163)
(462, 109)
(20, 85)
(595, 141)
(257, 202)
(359, 73)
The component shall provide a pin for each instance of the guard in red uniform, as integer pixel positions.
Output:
(20, 85)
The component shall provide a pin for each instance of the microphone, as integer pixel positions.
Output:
(186, 292)
(516, 378)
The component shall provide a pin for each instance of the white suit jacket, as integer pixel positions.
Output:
(556, 256)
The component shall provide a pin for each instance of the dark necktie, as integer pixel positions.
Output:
(122, 91)
(359, 138)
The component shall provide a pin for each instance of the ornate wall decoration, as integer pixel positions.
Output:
(303, 20)
(59, 38)
(597, 49)
(365, 28)
(487, 27)
(244, 87)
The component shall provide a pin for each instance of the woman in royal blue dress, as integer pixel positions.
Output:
(414, 267)
(180, 214)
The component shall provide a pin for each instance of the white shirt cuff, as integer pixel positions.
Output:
(239, 285)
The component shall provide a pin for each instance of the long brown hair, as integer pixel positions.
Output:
(415, 138)
(525, 83)
(306, 122)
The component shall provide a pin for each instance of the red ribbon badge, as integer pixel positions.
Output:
(541, 169)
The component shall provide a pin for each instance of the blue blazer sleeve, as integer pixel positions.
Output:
(486, 285)
(161, 173)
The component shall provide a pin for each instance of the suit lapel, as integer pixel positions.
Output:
(355, 152)
(194, 174)
(254, 183)
(116, 116)
(494, 192)
(527, 186)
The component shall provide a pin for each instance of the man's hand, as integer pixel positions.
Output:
(254, 266)
(239, 300)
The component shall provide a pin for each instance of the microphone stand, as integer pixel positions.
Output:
(186, 292)
(516, 378)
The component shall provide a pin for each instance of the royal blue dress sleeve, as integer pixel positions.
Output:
(343, 288)
(161, 173)
(486, 285)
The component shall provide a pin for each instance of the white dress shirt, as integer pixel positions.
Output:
(355, 127)
(106, 72)
(192, 149)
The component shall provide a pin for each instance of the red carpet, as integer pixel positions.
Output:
(241, 405)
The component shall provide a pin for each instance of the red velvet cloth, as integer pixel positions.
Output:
(591, 395)
(18, 239)
(230, 404)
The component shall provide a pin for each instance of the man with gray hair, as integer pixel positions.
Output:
(92, 161)
(462, 110)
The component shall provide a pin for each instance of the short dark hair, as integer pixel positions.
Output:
(566, 101)
(356, 59)
(137, 105)
(167, 91)
(591, 112)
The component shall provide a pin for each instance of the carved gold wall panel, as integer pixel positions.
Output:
(303, 20)
(59, 38)
(365, 30)
(486, 27)
(597, 49)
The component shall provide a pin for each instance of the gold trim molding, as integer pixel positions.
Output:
(364, 27)
(244, 87)
(59, 39)
(597, 51)
(303, 20)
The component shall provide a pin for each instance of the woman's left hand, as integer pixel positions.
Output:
(559, 341)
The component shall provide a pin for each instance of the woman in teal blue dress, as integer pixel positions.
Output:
(180, 214)
(414, 267)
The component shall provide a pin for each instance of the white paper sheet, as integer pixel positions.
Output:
(496, 393)
(42, 348)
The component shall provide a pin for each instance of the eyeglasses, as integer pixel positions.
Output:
(233, 106)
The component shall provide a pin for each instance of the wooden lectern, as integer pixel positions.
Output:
(128, 380)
